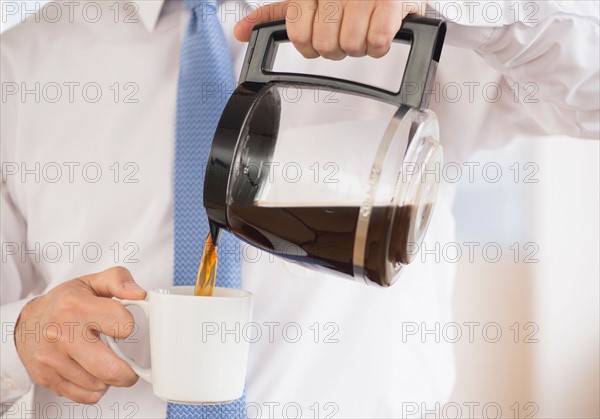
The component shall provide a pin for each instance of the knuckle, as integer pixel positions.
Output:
(69, 303)
(127, 329)
(299, 38)
(124, 314)
(87, 397)
(331, 52)
(122, 325)
(112, 372)
(131, 379)
(91, 397)
(353, 46)
(325, 46)
(98, 386)
(309, 53)
(379, 40)
(378, 53)
(121, 315)
(119, 374)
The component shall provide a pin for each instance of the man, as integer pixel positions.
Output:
(113, 201)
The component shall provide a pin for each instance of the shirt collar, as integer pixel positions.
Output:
(149, 11)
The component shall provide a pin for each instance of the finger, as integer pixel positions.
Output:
(326, 30)
(300, 19)
(268, 13)
(97, 314)
(114, 282)
(100, 361)
(66, 388)
(73, 372)
(107, 316)
(355, 27)
(385, 24)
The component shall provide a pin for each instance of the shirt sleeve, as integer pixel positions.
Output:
(547, 53)
(17, 277)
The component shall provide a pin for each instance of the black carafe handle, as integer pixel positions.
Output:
(425, 35)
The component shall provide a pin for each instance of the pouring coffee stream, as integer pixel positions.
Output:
(207, 270)
(366, 223)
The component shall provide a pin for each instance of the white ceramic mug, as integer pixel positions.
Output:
(195, 356)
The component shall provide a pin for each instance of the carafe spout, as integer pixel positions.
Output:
(215, 232)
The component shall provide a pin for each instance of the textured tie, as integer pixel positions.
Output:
(205, 78)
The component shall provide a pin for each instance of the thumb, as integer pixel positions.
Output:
(268, 13)
(114, 282)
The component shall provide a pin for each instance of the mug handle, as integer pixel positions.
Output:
(144, 373)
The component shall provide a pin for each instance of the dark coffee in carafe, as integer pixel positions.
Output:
(326, 235)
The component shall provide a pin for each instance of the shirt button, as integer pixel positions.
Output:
(562, 5)
(9, 383)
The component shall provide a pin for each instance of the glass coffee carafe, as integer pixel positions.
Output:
(325, 172)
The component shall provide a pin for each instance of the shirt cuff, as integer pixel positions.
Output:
(498, 13)
(14, 380)
(471, 24)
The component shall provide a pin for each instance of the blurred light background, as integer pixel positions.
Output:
(555, 301)
(559, 294)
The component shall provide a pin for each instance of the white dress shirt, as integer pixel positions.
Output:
(93, 188)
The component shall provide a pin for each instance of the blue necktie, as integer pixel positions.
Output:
(205, 77)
